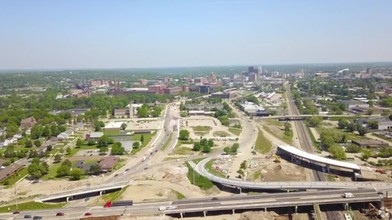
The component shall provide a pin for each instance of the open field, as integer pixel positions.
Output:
(31, 206)
(263, 145)
(235, 131)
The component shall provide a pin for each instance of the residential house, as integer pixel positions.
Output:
(108, 163)
(28, 123)
(121, 113)
(94, 135)
(384, 124)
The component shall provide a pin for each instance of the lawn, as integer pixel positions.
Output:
(16, 177)
(113, 196)
(88, 147)
(179, 195)
(31, 206)
(198, 180)
(201, 128)
(214, 171)
(183, 150)
(235, 131)
(111, 132)
(147, 139)
(167, 142)
(262, 144)
(52, 172)
(255, 176)
(221, 134)
(73, 152)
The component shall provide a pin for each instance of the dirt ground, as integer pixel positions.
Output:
(283, 171)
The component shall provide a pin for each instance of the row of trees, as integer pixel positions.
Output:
(204, 145)
(145, 111)
(352, 126)
(232, 150)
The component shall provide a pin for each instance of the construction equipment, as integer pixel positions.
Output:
(276, 158)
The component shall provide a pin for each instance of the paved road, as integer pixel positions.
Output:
(209, 204)
(306, 143)
(200, 168)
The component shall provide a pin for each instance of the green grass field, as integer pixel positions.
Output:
(212, 170)
(198, 180)
(52, 172)
(111, 132)
(235, 131)
(15, 178)
(147, 139)
(263, 145)
(30, 206)
(221, 134)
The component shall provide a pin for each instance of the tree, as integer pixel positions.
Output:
(123, 126)
(385, 112)
(68, 151)
(337, 152)
(79, 143)
(184, 135)
(103, 150)
(234, 148)
(36, 131)
(104, 141)
(203, 142)
(117, 149)
(143, 112)
(369, 111)
(37, 168)
(342, 123)
(373, 124)
(95, 169)
(136, 144)
(57, 158)
(46, 132)
(37, 143)
(76, 174)
(206, 148)
(352, 126)
(287, 126)
(63, 170)
(227, 150)
(243, 165)
(29, 144)
(210, 142)
(67, 163)
(315, 121)
(326, 141)
(91, 142)
(196, 146)
(361, 130)
(142, 139)
(366, 154)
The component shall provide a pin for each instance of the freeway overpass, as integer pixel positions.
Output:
(242, 184)
(303, 117)
(295, 200)
(285, 202)
(85, 192)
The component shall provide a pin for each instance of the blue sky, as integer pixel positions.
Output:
(122, 34)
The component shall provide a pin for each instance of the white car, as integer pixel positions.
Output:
(170, 207)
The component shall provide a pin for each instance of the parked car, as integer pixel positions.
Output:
(16, 212)
(37, 217)
(87, 213)
(27, 216)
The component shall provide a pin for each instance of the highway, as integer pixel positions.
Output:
(228, 203)
(306, 142)
(288, 185)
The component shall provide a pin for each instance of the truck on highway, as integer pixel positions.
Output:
(348, 195)
(118, 203)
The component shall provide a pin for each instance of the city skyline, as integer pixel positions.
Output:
(150, 34)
